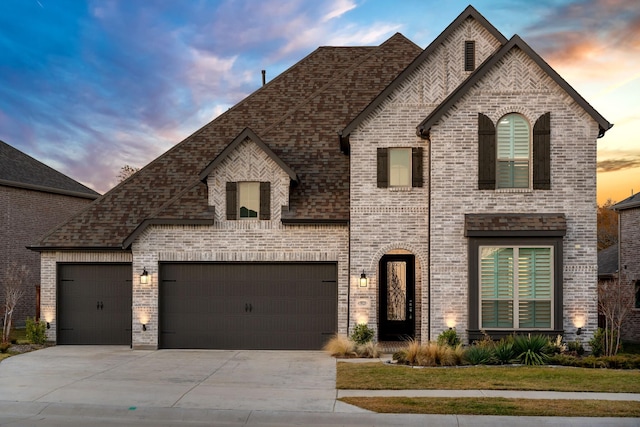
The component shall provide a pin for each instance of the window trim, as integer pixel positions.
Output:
(516, 283)
(475, 330)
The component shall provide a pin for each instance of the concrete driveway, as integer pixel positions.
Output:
(196, 379)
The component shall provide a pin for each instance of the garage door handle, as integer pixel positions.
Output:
(248, 307)
(99, 305)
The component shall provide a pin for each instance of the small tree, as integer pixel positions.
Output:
(607, 225)
(615, 301)
(126, 171)
(13, 289)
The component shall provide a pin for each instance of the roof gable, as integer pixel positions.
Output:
(483, 69)
(247, 134)
(17, 169)
(469, 12)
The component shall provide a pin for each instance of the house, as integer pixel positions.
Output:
(629, 253)
(33, 199)
(412, 190)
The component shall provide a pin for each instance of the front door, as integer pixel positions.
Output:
(397, 293)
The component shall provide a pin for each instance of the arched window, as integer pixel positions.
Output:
(513, 152)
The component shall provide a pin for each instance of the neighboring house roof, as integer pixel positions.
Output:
(608, 262)
(17, 169)
(483, 69)
(628, 203)
(296, 116)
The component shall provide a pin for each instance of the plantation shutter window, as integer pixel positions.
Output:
(400, 167)
(516, 287)
(486, 153)
(513, 142)
(248, 200)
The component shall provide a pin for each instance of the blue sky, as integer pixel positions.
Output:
(89, 86)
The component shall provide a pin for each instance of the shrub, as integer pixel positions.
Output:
(36, 331)
(370, 349)
(4, 347)
(575, 347)
(503, 351)
(479, 354)
(362, 334)
(531, 349)
(340, 346)
(597, 342)
(449, 337)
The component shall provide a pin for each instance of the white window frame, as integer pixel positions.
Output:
(513, 158)
(409, 154)
(516, 297)
(244, 195)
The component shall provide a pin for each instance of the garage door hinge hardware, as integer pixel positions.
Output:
(99, 305)
(248, 308)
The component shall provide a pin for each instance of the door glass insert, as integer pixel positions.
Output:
(396, 290)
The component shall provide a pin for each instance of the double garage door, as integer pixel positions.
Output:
(247, 305)
(204, 305)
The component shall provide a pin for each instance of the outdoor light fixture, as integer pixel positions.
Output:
(48, 325)
(144, 327)
(144, 277)
(363, 280)
(579, 331)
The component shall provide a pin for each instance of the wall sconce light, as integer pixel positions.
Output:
(48, 325)
(363, 280)
(579, 322)
(144, 327)
(450, 321)
(144, 277)
(579, 331)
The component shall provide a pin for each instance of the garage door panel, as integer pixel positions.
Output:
(94, 304)
(252, 306)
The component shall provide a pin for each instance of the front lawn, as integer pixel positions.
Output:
(381, 376)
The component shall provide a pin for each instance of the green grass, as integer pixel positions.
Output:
(497, 406)
(380, 376)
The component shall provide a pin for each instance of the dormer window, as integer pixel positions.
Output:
(248, 200)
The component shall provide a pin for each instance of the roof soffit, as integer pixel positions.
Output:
(247, 133)
(515, 42)
(469, 12)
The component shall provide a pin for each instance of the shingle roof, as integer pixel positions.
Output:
(608, 262)
(297, 115)
(628, 203)
(17, 169)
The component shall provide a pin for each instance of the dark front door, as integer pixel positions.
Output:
(94, 304)
(397, 294)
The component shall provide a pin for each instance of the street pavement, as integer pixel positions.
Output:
(117, 386)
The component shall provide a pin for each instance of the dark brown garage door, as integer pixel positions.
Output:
(94, 304)
(247, 306)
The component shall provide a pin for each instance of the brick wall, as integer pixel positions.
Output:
(629, 220)
(26, 215)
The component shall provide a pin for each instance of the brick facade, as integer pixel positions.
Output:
(629, 241)
(25, 215)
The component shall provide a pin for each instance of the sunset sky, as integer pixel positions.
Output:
(90, 86)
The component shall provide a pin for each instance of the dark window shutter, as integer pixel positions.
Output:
(383, 168)
(265, 200)
(486, 153)
(469, 55)
(416, 167)
(232, 200)
(542, 153)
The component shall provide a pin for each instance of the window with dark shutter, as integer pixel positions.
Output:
(486, 153)
(232, 201)
(383, 168)
(416, 167)
(265, 200)
(469, 55)
(542, 153)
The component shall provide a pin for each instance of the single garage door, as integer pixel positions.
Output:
(94, 304)
(247, 305)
